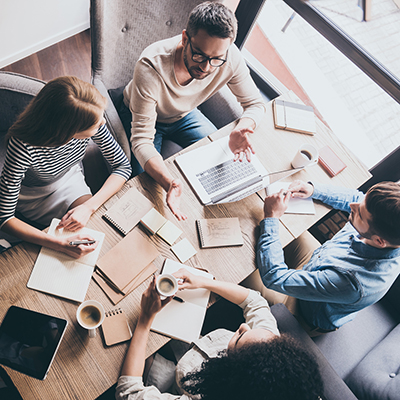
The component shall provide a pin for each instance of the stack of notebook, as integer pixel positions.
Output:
(126, 266)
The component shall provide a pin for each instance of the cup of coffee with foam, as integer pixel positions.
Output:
(166, 285)
(307, 155)
(90, 315)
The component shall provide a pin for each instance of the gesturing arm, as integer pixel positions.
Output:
(151, 304)
(156, 168)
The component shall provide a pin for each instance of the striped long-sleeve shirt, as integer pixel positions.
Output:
(36, 166)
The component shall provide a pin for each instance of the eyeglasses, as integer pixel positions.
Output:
(201, 58)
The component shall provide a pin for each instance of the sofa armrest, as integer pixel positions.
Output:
(334, 386)
(114, 123)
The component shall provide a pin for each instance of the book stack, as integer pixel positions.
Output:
(126, 266)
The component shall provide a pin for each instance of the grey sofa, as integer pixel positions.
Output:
(366, 352)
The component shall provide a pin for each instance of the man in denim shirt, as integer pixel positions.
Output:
(347, 273)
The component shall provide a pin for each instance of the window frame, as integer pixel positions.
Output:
(246, 14)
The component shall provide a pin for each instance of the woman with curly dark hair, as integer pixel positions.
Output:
(255, 362)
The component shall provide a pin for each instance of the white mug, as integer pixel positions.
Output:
(90, 315)
(307, 155)
(166, 285)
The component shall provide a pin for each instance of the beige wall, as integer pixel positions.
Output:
(27, 26)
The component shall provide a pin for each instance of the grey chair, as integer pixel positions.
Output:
(120, 31)
(16, 91)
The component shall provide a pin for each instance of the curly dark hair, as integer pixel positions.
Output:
(278, 369)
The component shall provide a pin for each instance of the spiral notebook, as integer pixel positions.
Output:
(219, 232)
(115, 327)
(126, 213)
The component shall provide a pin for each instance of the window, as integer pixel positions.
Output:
(295, 55)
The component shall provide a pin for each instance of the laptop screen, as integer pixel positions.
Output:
(29, 341)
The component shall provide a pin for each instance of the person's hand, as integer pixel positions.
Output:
(78, 250)
(240, 145)
(301, 189)
(76, 218)
(174, 199)
(186, 280)
(151, 303)
(276, 204)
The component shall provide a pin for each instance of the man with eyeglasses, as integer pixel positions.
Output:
(174, 76)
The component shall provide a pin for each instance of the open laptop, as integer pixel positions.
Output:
(29, 341)
(216, 178)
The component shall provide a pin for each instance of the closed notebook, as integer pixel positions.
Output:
(183, 320)
(62, 275)
(126, 212)
(127, 259)
(115, 327)
(294, 117)
(330, 161)
(219, 232)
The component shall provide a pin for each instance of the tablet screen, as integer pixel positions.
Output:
(29, 341)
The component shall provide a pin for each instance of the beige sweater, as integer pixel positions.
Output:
(155, 95)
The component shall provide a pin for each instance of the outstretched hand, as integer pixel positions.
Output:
(174, 199)
(151, 302)
(240, 145)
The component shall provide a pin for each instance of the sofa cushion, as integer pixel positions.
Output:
(377, 376)
(334, 386)
(347, 346)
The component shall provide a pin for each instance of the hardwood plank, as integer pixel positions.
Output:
(71, 56)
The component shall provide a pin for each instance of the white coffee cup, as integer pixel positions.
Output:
(90, 315)
(166, 285)
(307, 155)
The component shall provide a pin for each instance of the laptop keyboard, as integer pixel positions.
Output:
(222, 175)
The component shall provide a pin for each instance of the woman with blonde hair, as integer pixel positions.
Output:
(42, 178)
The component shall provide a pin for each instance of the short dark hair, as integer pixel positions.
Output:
(383, 203)
(215, 18)
(65, 106)
(278, 369)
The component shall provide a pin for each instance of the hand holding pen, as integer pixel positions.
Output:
(79, 245)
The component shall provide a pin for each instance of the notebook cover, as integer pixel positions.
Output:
(125, 214)
(183, 250)
(117, 296)
(127, 259)
(153, 221)
(219, 232)
(169, 232)
(294, 117)
(183, 321)
(330, 161)
(115, 327)
(61, 275)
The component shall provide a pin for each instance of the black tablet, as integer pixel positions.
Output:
(29, 341)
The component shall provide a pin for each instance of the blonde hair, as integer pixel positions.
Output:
(64, 107)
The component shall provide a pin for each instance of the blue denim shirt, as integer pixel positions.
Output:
(342, 277)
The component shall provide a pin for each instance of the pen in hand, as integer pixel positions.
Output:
(78, 242)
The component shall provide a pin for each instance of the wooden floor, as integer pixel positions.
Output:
(68, 57)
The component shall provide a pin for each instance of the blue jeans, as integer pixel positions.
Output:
(186, 131)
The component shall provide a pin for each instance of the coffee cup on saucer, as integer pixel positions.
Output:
(307, 155)
(90, 315)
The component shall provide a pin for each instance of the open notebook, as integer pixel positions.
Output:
(183, 321)
(61, 275)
